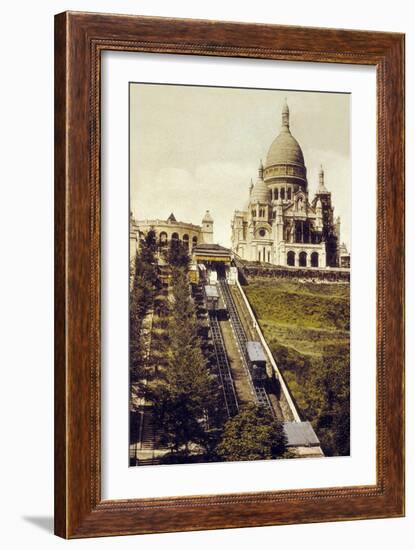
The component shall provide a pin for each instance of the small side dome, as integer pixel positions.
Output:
(259, 192)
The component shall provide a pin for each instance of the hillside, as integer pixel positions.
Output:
(306, 325)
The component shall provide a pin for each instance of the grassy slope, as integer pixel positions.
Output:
(307, 328)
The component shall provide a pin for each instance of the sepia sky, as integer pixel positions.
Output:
(194, 148)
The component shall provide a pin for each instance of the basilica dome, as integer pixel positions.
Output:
(285, 149)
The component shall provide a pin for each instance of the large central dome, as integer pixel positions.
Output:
(285, 157)
(285, 149)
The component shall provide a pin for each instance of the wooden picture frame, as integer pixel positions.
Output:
(79, 40)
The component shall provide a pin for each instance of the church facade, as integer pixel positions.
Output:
(280, 224)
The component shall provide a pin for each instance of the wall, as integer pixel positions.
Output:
(26, 168)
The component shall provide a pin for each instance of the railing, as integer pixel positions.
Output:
(281, 380)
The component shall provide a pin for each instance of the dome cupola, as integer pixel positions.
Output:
(260, 191)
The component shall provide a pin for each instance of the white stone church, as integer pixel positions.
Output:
(280, 224)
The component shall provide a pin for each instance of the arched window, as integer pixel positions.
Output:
(291, 258)
(289, 193)
(194, 241)
(303, 259)
(175, 236)
(276, 194)
(282, 194)
(314, 259)
(163, 238)
(186, 241)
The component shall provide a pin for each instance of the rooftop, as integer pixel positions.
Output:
(211, 291)
(255, 352)
(216, 249)
(300, 434)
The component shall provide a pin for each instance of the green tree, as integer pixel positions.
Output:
(253, 434)
(185, 407)
(177, 254)
(145, 283)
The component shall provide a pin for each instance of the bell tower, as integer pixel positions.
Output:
(207, 228)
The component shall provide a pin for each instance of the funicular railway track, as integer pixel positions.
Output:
(258, 389)
(224, 370)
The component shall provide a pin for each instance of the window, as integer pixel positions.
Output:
(262, 232)
(291, 258)
(289, 193)
(314, 259)
(303, 259)
(282, 194)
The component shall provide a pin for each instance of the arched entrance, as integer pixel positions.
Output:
(314, 259)
(291, 258)
(303, 259)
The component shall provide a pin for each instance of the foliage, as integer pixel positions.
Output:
(177, 254)
(145, 282)
(186, 406)
(306, 326)
(309, 305)
(253, 434)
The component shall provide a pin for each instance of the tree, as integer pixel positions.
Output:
(253, 434)
(327, 385)
(145, 282)
(185, 406)
(177, 254)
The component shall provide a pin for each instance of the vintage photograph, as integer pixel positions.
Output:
(240, 257)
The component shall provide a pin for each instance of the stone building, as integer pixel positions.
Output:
(166, 230)
(280, 224)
